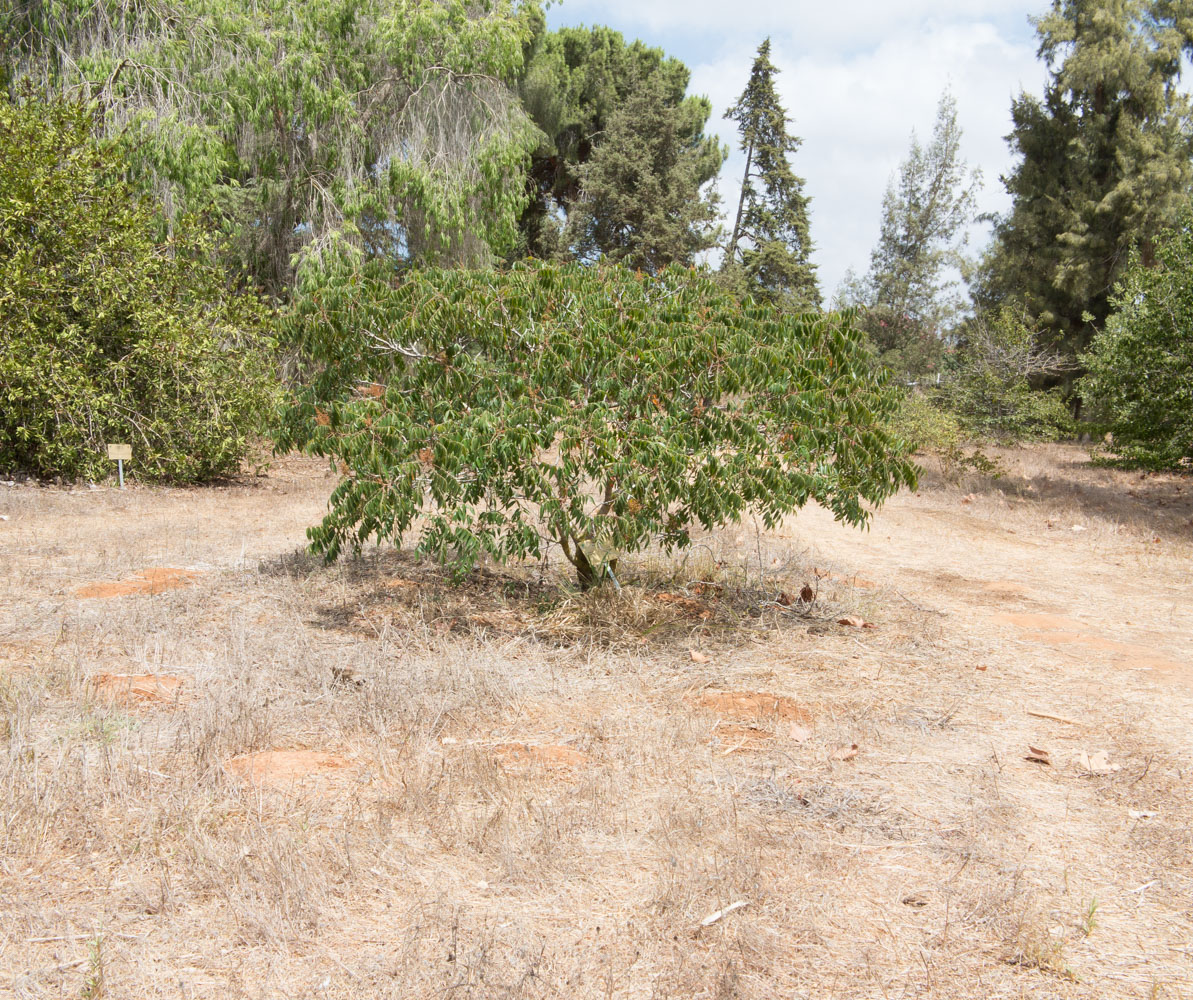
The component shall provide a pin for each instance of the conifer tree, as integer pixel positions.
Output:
(910, 293)
(770, 248)
(573, 81)
(642, 200)
(1104, 161)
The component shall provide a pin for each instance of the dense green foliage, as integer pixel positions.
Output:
(770, 247)
(107, 333)
(910, 295)
(642, 197)
(595, 407)
(387, 123)
(574, 80)
(1141, 364)
(1104, 161)
(991, 376)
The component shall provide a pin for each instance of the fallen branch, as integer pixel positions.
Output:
(1053, 718)
(712, 918)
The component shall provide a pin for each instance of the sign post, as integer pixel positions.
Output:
(120, 453)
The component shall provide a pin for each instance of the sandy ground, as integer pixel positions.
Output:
(962, 771)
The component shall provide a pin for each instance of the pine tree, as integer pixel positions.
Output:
(1104, 161)
(574, 80)
(641, 201)
(910, 292)
(770, 247)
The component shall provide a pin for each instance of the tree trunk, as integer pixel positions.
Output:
(731, 249)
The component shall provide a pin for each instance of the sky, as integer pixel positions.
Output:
(857, 77)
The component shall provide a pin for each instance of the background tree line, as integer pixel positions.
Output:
(439, 133)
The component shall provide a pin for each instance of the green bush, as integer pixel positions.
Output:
(990, 387)
(923, 420)
(595, 408)
(1140, 367)
(107, 333)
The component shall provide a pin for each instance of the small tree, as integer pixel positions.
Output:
(597, 408)
(770, 244)
(107, 333)
(1141, 364)
(993, 382)
(910, 292)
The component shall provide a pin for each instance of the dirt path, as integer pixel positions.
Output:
(229, 771)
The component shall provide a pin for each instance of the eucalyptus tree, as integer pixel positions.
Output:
(770, 244)
(387, 123)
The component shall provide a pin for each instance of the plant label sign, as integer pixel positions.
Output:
(120, 453)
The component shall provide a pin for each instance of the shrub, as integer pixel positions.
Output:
(929, 426)
(991, 386)
(596, 408)
(1140, 367)
(107, 332)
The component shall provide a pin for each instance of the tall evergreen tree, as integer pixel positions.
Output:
(573, 80)
(770, 246)
(911, 291)
(642, 200)
(1104, 161)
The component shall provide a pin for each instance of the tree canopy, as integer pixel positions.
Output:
(1141, 363)
(109, 333)
(572, 82)
(595, 407)
(643, 200)
(387, 123)
(1104, 161)
(911, 290)
(770, 243)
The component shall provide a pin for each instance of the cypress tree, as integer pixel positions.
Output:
(642, 201)
(770, 250)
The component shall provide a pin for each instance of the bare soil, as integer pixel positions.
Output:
(227, 770)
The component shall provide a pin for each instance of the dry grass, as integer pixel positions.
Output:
(364, 782)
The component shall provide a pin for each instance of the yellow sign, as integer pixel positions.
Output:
(122, 452)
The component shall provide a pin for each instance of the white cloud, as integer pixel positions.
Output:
(857, 77)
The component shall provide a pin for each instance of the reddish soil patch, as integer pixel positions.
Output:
(747, 705)
(148, 581)
(282, 768)
(1005, 588)
(549, 756)
(1055, 630)
(138, 689)
(397, 583)
(686, 604)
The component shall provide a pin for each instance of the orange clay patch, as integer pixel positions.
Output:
(282, 768)
(549, 756)
(148, 581)
(1055, 630)
(138, 689)
(747, 705)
